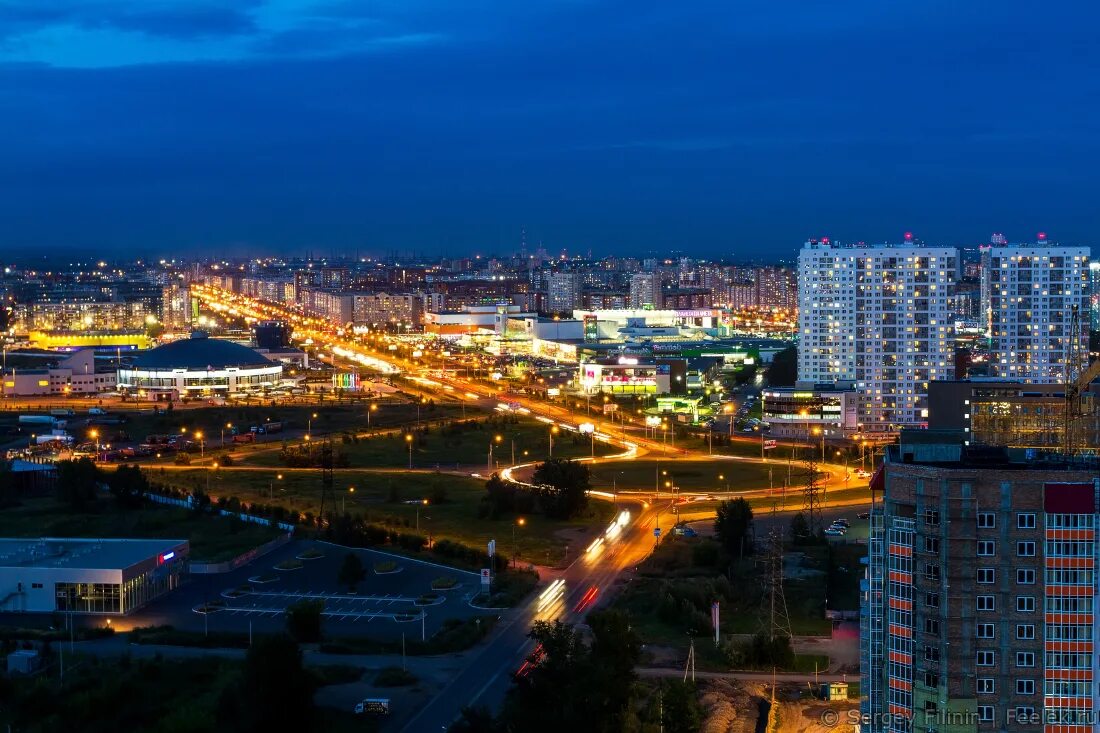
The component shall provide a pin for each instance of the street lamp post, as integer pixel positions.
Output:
(553, 429)
(271, 486)
(228, 426)
(343, 505)
(423, 502)
(373, 408)
(202, 445)
(409, 441)
(520, 522)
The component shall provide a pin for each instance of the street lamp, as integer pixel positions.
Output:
(343, 505)
(202, 445)
(271, 486)
(553, 429)
(495, 441)
(519, 522)
(423, 502)
(309, 424)
(95, 435)
(373, 408)
(228, 426)
(409, 441)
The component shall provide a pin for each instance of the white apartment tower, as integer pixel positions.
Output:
(879, 316)
(645, 290)
(563, 292)
(1029, 295)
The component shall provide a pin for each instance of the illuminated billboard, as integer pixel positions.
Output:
(348, 381)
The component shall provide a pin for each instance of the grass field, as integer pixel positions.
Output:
(644, 475)
(330, 418)
(670, 598)
(395, 498)
(465, 444)
(213, 539)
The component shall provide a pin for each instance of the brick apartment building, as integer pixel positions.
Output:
(978, 602)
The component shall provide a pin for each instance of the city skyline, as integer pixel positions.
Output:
(294, 126)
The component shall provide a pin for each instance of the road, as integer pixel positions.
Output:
(485, 680)
(584, 584)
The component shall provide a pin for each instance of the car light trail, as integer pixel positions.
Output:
(587, 599)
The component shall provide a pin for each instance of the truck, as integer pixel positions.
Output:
(373, 706)
(62, 412)
(36, 420)
(244, 438)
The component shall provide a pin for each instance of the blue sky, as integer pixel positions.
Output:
(731, 128)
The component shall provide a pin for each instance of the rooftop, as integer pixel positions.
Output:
(93, 554)
(200, 352)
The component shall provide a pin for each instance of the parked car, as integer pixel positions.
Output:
(834, 532)
(842, 522)
(864, 515)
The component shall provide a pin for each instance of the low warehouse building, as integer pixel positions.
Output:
(87, 576)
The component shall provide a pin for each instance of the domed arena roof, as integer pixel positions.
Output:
(200, 353)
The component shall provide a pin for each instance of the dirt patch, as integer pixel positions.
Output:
(816, 716)
(730, 706)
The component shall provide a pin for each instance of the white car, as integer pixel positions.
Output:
(834, 532)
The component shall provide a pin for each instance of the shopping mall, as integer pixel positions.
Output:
(199, 366)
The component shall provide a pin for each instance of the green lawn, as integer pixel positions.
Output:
(213, 539)
(671, 596)
(395, 498)
(704, 475)
(459, 444)
(390, 412)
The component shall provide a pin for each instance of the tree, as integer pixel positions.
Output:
(681, 711)
(77, 482)
(783, 371)
(733, 525)
(572, 686)
(351, 572)
(566, 487)
(303, 620)
(800, 528)
(127, 484)
(276, 690)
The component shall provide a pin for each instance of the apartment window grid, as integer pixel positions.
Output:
(1029, 294)
(899, 671)
(1069, 615)
(872, 630)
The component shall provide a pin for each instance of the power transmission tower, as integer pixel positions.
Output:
(326, 478)
(689, 668)
(779, 621)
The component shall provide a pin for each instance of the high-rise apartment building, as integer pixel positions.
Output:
(979, 598)
(645, 290)
(1030, 293)
(878, 316)
(563, 292)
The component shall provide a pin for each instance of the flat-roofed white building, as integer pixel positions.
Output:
(87, 576)
(879, 316)
(1030, 292)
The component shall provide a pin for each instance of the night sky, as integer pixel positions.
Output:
(725, 129)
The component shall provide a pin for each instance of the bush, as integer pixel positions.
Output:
(303, 620)
(387, 566)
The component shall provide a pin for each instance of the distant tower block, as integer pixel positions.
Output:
(998, 238)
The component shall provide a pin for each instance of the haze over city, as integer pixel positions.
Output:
(710, 128)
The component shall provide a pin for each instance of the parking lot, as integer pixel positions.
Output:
(384, 605)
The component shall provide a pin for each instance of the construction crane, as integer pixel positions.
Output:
(1076, 382)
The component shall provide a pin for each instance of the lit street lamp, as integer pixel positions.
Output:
(202, 445)
(409, 441)
(271, 486)
(519, 522)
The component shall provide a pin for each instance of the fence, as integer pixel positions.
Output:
(213, 568)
